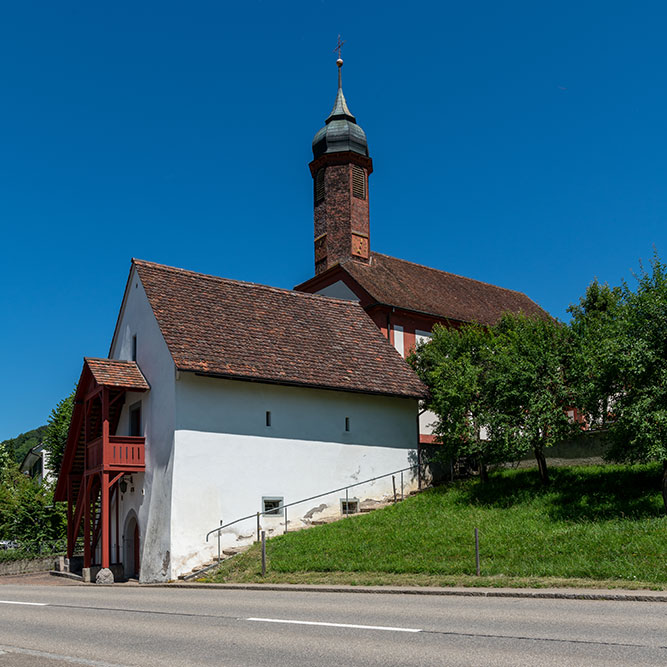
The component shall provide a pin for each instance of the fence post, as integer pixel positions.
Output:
(258, 526)
(285, 520)
(219, 543)
(477, 551)
(393, 483)
(401, 485)
(263, 553)
(347, 504)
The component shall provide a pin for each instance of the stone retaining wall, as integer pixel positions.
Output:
(28, 565)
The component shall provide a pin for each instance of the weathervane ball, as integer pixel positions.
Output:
(339, 62)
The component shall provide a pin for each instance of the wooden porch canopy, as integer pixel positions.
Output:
(95, 458)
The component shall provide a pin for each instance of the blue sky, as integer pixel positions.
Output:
(519, 143)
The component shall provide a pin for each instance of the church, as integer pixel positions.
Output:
(220, 398)
(405, 300)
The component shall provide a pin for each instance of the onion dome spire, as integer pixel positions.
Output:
(341, 132)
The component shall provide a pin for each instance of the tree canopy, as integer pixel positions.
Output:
(621, 364)
(57, 429)
(499, 392)
(19, 446)
(502, 391)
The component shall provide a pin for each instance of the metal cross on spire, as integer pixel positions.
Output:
(339, 46)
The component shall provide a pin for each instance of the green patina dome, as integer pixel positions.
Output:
(341, 132)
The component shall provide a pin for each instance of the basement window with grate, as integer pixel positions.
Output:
(358, 182)
(319, 186)
(350, 506)
(272, 505)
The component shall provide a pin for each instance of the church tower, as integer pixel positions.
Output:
(340, 171)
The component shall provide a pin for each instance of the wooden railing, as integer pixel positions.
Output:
(123, 452)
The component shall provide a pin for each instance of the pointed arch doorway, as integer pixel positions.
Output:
(131, 557)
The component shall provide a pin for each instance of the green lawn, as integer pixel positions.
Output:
(601, 523)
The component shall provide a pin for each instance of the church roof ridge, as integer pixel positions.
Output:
(433, 292)
(448, 273)
(234, 281)
(214, 326)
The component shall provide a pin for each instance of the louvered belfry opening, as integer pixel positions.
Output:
(319, 186)
(358, 182)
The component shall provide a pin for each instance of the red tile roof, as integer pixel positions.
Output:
(395, 282)
(114, 373)
(227, 328)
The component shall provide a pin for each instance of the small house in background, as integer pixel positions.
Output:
(36, 464)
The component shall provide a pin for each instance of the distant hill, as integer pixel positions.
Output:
(19, 446)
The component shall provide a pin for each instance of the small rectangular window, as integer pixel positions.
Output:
(350, 506)
(272, 505)
(347, 423)
(268, 418)
(135, 419)
(134, 348)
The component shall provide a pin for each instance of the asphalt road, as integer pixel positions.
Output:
(90, 625)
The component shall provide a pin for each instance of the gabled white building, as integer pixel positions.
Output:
(220, 399)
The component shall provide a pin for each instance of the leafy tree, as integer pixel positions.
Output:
(454, 366)
(598, 349)
(621, 365)
(507, 382)
(527, 386)
(5, 458)
(640, 429)
(57, 428)
(27, 510)
(19, 446)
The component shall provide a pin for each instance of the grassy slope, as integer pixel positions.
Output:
(600, 522)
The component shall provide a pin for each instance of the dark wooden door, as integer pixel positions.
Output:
(136, 548)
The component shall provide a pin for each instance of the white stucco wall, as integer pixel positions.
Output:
(151, 499)
(226, 458)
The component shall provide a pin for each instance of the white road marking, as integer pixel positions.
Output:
(335, 625)
(31, 604)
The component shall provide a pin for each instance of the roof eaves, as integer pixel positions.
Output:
(295, 383)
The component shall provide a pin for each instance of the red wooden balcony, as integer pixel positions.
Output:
(123, 452)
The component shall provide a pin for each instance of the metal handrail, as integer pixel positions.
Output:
(305, 500)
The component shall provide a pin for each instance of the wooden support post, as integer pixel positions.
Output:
(70, 519)
(117, 524)
(105, 427)
(104, 510)
(104, 484)
(86, 520)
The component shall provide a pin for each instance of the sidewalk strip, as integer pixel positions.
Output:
(335, 625)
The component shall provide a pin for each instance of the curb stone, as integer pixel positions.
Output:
(544, 593)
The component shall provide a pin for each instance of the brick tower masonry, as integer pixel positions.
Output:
(340, 171)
